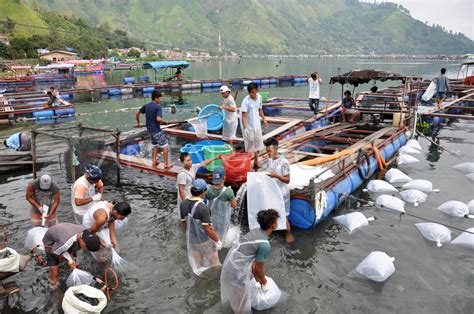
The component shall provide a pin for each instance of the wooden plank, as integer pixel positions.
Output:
(452, 116)
(281, 129)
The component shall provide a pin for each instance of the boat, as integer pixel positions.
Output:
(166, 68)
(466, 73)
(87, 67)
(54, 73)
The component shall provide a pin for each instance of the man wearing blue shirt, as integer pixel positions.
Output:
(154, 118)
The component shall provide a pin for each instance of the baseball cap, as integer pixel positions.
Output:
(200, 184)
(91, 240)
(224, 89)
(45, 182)
(218, 175)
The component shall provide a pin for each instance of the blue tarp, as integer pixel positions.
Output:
(165, 64)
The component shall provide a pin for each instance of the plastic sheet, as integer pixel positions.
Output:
(301, 175)
(454, 208)
(220, 215)
(429, 92)
(408, 150)
(73, 305)
(470, 176)
(466, 239)
(233, 236)
(34, 239)
(404, 159)
(413, 196)
(466, 167)
(353, 221)
(420, 185)
(414, 144)
(118, 262)
(380, 186)
(391, 203)
(394, 176)
(263, 300)
(377, 266)
(79, 277)
(434, 232)
(470, 205)
(10, 261)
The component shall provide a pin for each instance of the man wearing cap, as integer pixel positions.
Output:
(203, 241)
(230, 120)
(62, 241)
(154, 118)
(221, 200)
(87, 190)
(43, 195)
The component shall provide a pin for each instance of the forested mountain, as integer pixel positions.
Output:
(267, 26)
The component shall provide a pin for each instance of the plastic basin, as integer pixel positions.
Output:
(214, 150)
(236, 166)
(264, 96)
(214, 116)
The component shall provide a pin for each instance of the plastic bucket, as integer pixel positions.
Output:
(264, 96)
(194, 151)
(214, 116)
(236, 166)
(214, 150)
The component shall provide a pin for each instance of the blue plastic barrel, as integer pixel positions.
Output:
(302, 214)
(272, 81)
(64, 112)
(216, 84)
(148, 89)
(42, 114)
(66, 96)
(258, 82)
(235, 83)
(207, 85)
(144, 78)
(115, 91)
(129, 80)
(214, 116)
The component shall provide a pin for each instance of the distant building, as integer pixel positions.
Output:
(59, 55)
(41, 51)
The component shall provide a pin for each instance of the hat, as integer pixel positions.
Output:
(200, 184)
(218, 175)
(224, 89)
(45, 182)
(91, 240)
(93, 173)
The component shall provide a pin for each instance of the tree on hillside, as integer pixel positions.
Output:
(133, 53)
(8, 26)
(5, 51)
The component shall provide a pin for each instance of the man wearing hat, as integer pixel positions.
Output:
(62, 241)
(43, 195)
(221, 200)
(230, 120)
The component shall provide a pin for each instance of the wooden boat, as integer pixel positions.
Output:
(88, 67)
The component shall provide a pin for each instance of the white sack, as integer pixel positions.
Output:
(353, 221)
(408, 150)
(466, 167)
(466, 239)
(34, 237)
(79, 277)
(429, 92)
(404, 159)
(377, 266)
(470, 205)
(396, 176)
(413, 196)
(391, 203)
(454, 208)
(470, 176)
(414, 144)
(420, 185)
(72, 305)
(380, 186)
(264, 300)
(434, 232)
(258, 185)
(232, 237)
(11, 262)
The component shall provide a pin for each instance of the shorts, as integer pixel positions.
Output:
(36, 218)
(351, 111)
(441, 95)
(206, 248)
(159, 139)
(52, 259)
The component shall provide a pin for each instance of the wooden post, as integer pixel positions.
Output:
(117, 148)
(33, 152)
(71, 160)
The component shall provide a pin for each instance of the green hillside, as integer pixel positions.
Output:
(16, 11)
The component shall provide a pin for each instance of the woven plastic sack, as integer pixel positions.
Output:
(413, 196)
(434, 232)
(420, 185)
(470, 205)
(83, 299)
(353, 221)
(408, 150)
(429, 92)
(377, 266)
(79, 277)
(404, 159)
(466, 239)
(466, 167)
(34, 239)
(454, 208)
(9, 261)
(470, 176)
(264, 300)
(396, 176)
(380, 186)
(391, 203)
(414, 144)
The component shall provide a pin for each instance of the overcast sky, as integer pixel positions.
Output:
(457, 15)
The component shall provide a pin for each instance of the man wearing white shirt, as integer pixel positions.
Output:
(314, 82)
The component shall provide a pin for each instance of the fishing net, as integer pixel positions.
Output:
(200, 127)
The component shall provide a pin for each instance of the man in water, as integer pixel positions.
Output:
(19, 142)
(247, 259)
(314, 82)
(251, 127)
(203, 241)
(154, 118)
(442, 86)
(62, 241)
(44, 196)
(86, 190)
(231, 121)
(348, 107)
(279, 170)
(187, 175)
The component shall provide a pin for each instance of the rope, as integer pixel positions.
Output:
(106, 287)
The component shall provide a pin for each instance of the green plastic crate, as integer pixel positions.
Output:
(214, 150)
(264, 96)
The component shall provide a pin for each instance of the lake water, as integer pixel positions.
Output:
(315, 273)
